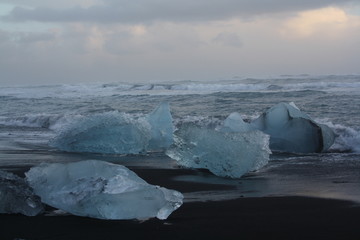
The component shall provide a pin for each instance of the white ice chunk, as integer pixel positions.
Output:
(291, 130)
(101, 190)
(118, 133)
(162, 127)
(17, 197)
(226, 154)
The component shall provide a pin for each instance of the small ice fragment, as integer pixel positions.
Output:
(17, 197)
(101, 190)
(226, 154)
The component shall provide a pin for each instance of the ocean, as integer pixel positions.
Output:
(31, 116)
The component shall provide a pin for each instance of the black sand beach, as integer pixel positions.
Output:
(247, 218)
(242, 218)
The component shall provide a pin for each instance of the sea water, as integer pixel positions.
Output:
(31, 116)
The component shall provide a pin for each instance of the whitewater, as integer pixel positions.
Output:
(31, 116)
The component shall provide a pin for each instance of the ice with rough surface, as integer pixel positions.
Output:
(291, 130)
(226, 154)
(17, 197)
(118, 133)
(101, 190)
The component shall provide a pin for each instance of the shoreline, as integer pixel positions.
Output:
(243, 218)
(247, 217)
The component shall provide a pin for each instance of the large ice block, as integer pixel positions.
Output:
(291, 130)
(111, 132)
(17, 197)
(226, 154)
(101, 190)
(118, 133)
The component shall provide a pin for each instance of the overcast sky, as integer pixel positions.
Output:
(77, 41)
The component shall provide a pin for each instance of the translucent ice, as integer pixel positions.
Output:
(111, 132)
(118, 133)
(162, 127)
(226, 154)
(17, 197)
(101, 190)
(291, 130)
(234, 123)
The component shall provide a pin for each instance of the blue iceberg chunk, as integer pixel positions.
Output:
(226, 154)
(101, 190)
(117, 133)
(291, 130)
(162, 128)
(111, 132)
(17, 197)
(235, 123)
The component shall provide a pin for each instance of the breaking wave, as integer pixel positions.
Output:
(47, 121)
(347, 139)
(284, 83)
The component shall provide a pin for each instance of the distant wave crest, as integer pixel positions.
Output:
(48, 121)
(319, 83)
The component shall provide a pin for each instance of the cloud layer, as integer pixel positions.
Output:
(143, 11)
(156, 40)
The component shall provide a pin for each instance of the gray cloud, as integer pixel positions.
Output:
(34, 37)
(143, 11)
(228, 39)
(173, 48)
(25, 37)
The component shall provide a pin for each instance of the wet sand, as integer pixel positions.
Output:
(245, 218)
(242, 218)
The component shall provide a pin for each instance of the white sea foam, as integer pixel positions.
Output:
(48, 121)
(326, 86)
(347, 138)
(212, 122)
